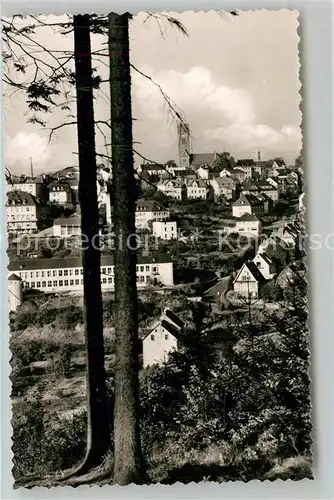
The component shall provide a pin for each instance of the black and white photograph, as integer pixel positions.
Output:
(156, 242)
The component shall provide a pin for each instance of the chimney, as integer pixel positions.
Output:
(258, 156)
(31, 169)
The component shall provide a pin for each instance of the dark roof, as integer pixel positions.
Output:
(20, 198)
(152, 166)
(199, 159)
(247, 217)
(74, 219)
(255, 271)
(175, 319)
(265, 257)
(148, 206)
(168, 326)
(14, 277)
(68, 262)
(250, 198)
(63, 184)
(219, 288)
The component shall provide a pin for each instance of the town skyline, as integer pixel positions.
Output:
(231, 104)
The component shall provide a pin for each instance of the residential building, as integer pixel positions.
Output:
(66, 227)
(248, 225)
(66, 275)
(265, 265)
(36, 186)
(247, 204)
(287, 277)
(147, 211)
(248, 281)
(225, 172)
(172, 188)
(203, 172)
(196, 189)
(240, 174)
(22, 213)
(166, 230)
(61, 193)
(269, 190)
(153, 169)
(217, 291)
(267, 203)
(273, 182)
(223, 186)
(161, 338)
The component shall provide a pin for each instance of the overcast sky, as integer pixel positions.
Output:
(235, 78)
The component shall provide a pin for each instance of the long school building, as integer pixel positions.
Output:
(66, 275)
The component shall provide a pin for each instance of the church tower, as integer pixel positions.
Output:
(183, 133)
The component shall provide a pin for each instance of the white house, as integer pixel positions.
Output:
(247, 204)
(265, 265)
(203, 172)
(273, 182)
(66, 275)
(225, 173)
(223, 186)
(22, 213)
(248, 281)
(147, 211)
(166, 230)
(60, 193)
(162, 337)
(248, 225)
(171, 188)
(196, 189)
(34, 186)
(66, 227)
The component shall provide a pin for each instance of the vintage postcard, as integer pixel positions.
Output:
(157, 291)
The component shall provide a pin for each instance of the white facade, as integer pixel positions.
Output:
(32, 188)
(224, 173)
(203, 172)
(60, 194)
(149, 213)
(65, 228)
(264, 265)
(248, 227)
(158, 344)
(196, 190)
(223, 187)
(245, 284)
(15, 293)
(164, 230)
(172, 189)
(69, 277)
(241, 207)
(21, 213)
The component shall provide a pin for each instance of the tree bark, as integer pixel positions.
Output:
(128, 463)
(98, 437)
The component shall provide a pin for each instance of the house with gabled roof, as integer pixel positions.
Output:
(161, 338)
(247, 204)
(287, 277)
(248, 281)
(196, 189)
(265, 265)
(248, 225)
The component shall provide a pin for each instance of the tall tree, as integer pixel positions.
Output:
(98, 438)
(128, 463)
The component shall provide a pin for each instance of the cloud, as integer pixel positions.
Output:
(23, 146)
(228, 113)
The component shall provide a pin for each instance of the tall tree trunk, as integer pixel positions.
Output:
(128, 463)
(98, 438)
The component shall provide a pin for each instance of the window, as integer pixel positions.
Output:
(109, 270)
(60, 272)
(43, 274)
(43, 284)
(104, 270)
(166, 336)
(32, 284)
(81, 271)
(38, 284)
(137, 278)
(55, 283)
(147, 268)
(48, 273)
(76, 272)
(104, 281)
(49, 283)
(60, 282)
(152, 337)
(109, 280)
(77, 282)
(32, 274)
(71, 282)
(137, 268)
(66, 272)
(142, 278)
(71, 272)
(54, 273)
(66, 283)
(154, 269)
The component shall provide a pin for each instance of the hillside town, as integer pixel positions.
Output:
(223, 231)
